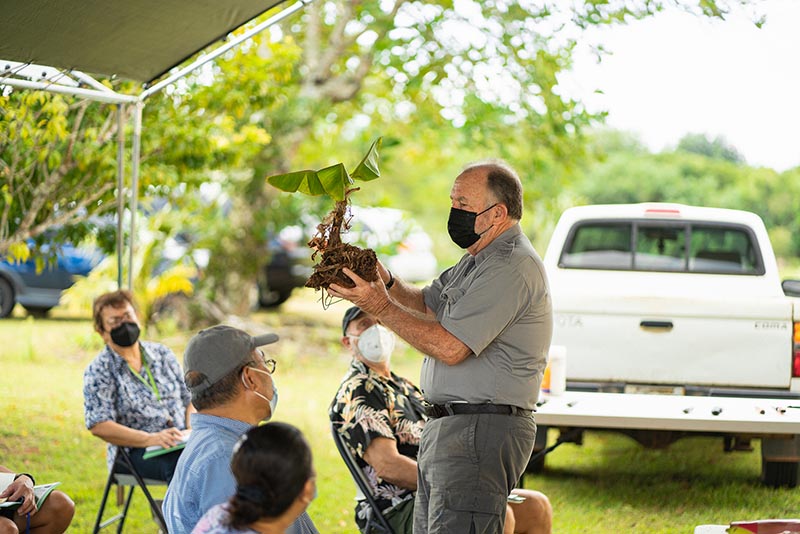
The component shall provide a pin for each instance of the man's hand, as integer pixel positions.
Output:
(371, 297)
(21, 489)
(166, 438)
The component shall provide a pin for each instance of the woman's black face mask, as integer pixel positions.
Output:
(125, 335)
(461, 226)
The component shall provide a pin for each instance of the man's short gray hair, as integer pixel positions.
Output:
(504, 184)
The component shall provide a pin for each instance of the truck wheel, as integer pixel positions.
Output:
(536, 463)
(269, 298)
(778, 474)
(6, 298)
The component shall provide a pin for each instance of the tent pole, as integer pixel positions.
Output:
(120, 188)
(137, 144)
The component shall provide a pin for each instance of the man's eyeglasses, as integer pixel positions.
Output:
(269, 364)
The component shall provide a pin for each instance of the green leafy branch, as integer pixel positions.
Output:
(333, 181)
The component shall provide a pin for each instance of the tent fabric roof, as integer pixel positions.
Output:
(138, 40)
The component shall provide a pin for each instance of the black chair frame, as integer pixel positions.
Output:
(121, 480)
(376, 522)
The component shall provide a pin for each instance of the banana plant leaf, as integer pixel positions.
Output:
(332, 181)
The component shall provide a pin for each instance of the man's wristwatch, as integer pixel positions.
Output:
(390, 283)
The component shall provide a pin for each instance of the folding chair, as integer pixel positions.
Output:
(129, 480)
(376, 522)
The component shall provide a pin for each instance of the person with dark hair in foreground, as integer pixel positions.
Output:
(380, 417)
(233, 388)
(53, 517)
(275, 483)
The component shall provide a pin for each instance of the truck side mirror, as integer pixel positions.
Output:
(791, 288)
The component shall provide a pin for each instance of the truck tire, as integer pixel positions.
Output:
(779, 474)
(6, 298)
(270, 298)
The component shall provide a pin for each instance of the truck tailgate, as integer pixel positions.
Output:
(704, 339)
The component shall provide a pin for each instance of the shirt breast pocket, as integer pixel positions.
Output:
(450, 297)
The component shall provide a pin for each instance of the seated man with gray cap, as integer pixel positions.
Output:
(233, 389)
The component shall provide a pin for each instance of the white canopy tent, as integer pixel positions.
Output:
(51, 45)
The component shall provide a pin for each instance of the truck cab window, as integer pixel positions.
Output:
(599, 246)
(662, 246)
(723, 250)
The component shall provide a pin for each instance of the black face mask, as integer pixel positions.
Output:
(461, 226)
(125, 334)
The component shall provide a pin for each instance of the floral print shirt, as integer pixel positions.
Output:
(112, 392)
(213, 522)
(369, 405)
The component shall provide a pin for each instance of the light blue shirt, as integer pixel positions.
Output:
(203, 476)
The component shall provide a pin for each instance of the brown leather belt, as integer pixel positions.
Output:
(461, 408)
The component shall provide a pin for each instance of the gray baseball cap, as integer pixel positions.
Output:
(219, 350)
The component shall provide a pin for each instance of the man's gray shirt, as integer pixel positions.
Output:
(498, 304)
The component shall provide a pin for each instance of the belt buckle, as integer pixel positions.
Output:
(434, 410)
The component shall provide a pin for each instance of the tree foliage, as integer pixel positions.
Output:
(56, 166)
(630, 176)
(444, 81)
(717, 148)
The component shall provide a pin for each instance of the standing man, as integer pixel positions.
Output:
(233, 389)
(485, 326)
(133, 391)
(380, 416)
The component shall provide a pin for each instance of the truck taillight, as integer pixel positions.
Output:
(796, 351)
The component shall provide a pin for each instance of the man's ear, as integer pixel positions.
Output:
(346, 342)
(247, 380)
(503, 214)
(309, 490)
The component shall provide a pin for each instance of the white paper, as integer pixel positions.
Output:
(5, 480)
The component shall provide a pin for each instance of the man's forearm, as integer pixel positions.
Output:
(408, 296)
(390, 465)
(424, 334)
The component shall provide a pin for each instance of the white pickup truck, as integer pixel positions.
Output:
(675, 323)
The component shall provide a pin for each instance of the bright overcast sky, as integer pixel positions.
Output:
(675, 73)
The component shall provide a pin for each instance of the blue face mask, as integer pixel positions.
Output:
(273, 403)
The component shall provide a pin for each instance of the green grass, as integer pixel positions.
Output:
(610, 484)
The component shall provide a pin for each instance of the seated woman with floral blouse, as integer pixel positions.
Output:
(134, 393)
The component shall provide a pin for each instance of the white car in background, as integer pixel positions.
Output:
(400, 243)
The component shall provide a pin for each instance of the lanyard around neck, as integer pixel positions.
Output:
(149, 381)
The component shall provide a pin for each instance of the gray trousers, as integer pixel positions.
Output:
(467, 466)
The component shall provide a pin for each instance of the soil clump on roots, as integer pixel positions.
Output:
(335, 254)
